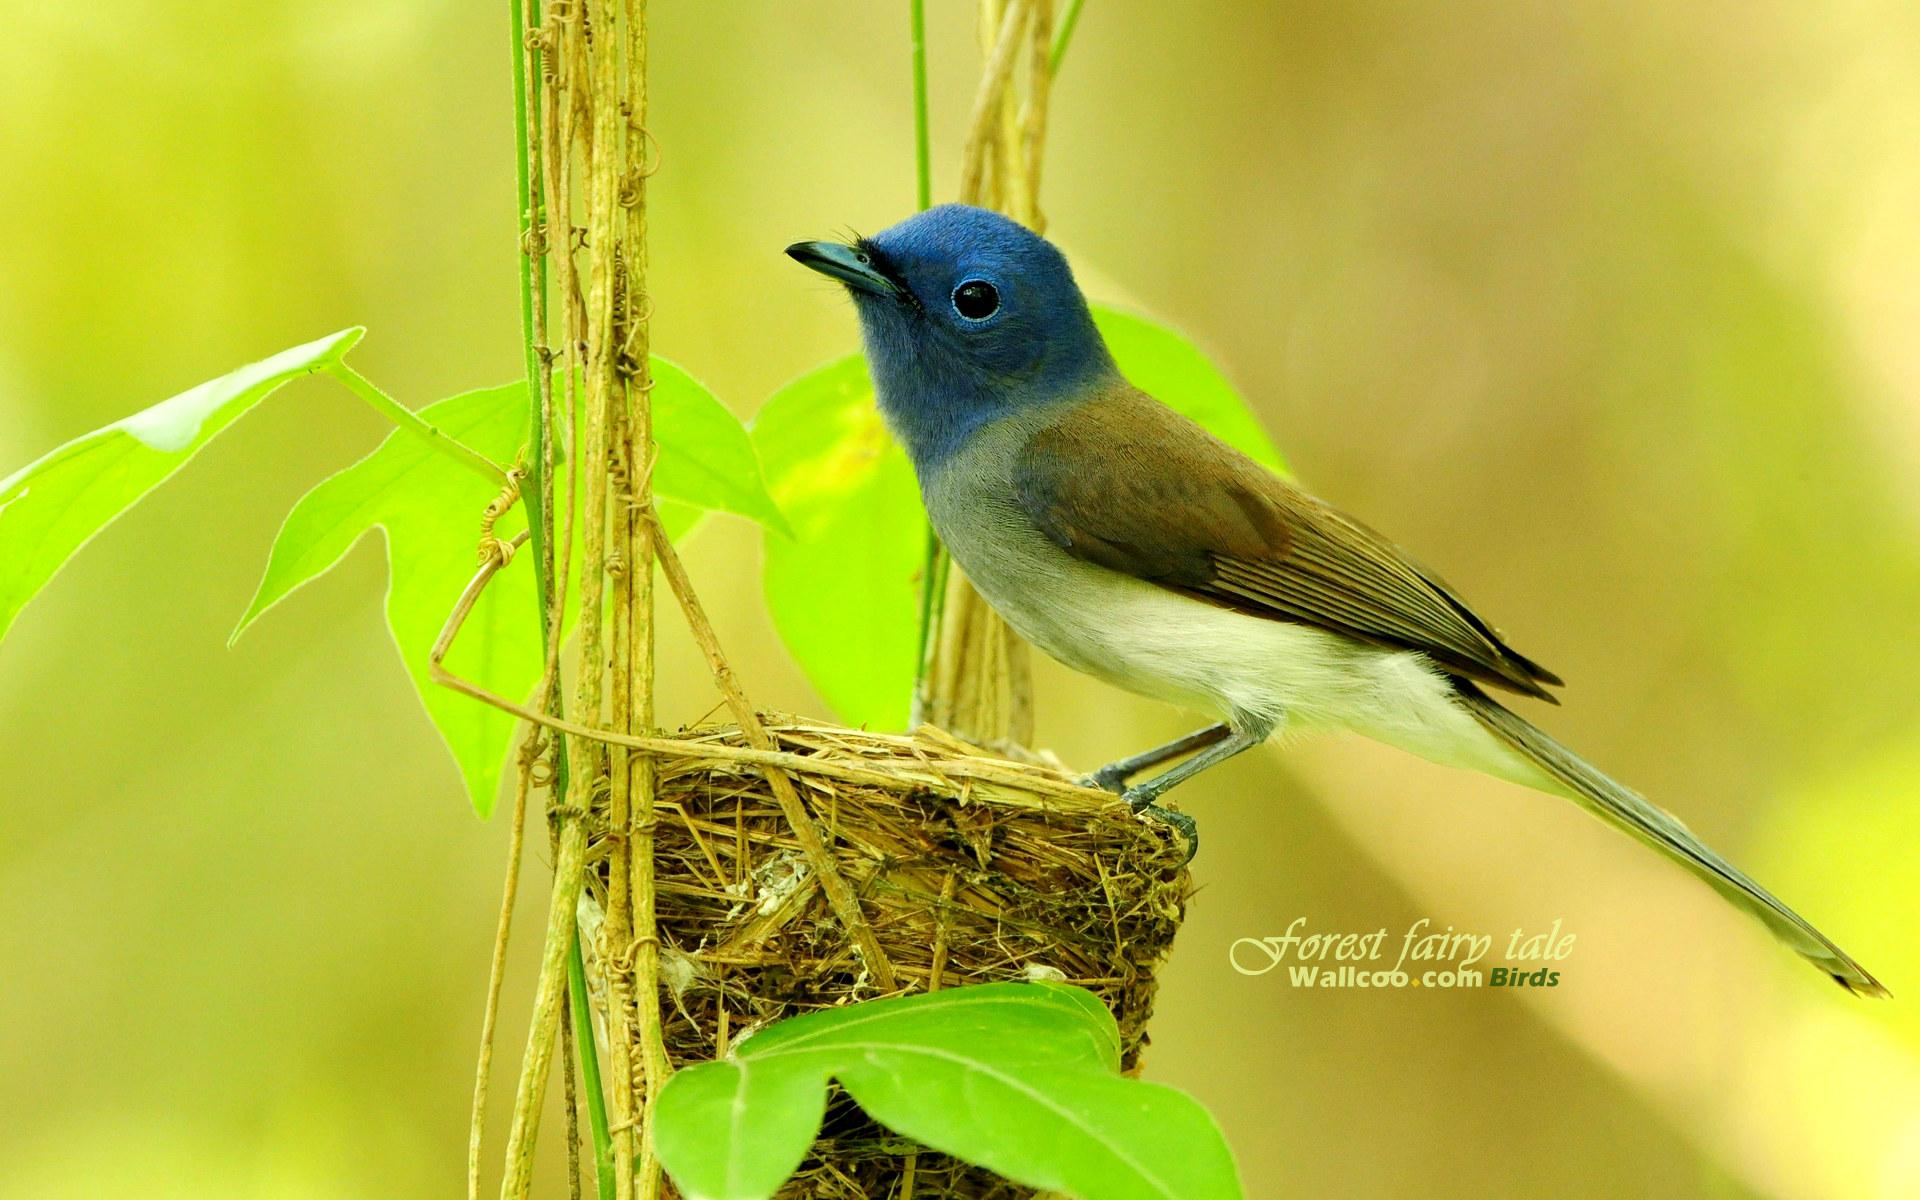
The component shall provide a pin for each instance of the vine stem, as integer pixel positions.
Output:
(982, 126)
(417, 425)
(923, 177)
(589, 1066)
(1066, 33)
(497, 966)
(632, 929)
(603, 159)
(570, 849)
(922, 143)
(524, 193)
(524, 190)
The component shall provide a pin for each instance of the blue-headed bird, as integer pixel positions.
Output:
(1130, 544)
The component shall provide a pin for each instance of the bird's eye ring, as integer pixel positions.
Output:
(976, 300)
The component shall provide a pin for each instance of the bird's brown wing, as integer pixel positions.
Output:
(1125, 482)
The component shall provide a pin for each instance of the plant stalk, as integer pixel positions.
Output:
(570, 852)
(590, 1068)
(922, 144)
(1065, 35)
(923, 177)
(413, 423)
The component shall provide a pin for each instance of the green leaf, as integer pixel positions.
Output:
(51, 508)
(1021, 1078)
(706, 457)
(843, 591)
(430, 507)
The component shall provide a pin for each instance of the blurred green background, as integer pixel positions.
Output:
(1610, 312)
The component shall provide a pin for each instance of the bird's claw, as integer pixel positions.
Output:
(1141, 801)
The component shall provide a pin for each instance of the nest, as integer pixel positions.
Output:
(970, 868)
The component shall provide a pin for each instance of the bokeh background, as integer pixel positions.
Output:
(1607, 310)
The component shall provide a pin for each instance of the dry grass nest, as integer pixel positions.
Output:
(970, 867)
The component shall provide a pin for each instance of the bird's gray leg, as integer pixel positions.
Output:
(1142, 797)
(1113, 777)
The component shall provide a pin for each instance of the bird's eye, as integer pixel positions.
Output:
(976, 300)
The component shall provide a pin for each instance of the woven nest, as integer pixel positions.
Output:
(970, 868)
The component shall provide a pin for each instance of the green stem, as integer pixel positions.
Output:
(523, 182)
(412, 422)
(922, 143)
(923, 178)
(590, 1069)
(1065, 35)
(539, 524)
(930, 576)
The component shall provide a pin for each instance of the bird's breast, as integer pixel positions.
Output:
(1126, 631)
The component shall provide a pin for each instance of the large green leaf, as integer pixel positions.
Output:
(706, 458)
(429, 507)
(844, 590)
(51, 508)
(1021, 1078)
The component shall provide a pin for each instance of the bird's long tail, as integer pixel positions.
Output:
(1624, 809)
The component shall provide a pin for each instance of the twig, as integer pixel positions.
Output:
(633, 794)
(607, 152)
(940, 931)
(1033, 115)
(987, 102)
(940, 776)
(497, 966)
(572, 1094)
(1009, 169)
(568, 869)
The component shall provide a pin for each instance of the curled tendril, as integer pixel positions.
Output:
(494, 549)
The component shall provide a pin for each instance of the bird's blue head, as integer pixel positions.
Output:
(967, 316)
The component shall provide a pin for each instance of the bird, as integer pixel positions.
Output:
(1130, 544)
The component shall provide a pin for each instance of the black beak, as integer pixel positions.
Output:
(851, 266)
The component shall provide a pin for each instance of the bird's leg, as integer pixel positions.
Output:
(1142, 797)
(1113, 777)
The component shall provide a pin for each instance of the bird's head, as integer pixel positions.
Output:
(966, 315)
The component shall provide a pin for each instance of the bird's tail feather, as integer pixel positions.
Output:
(1624, 809)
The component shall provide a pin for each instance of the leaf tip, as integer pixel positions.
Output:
(346, 340)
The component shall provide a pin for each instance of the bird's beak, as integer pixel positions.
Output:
(850, 266)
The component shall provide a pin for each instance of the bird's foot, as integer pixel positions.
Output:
(1141, 800)
(1105, 779)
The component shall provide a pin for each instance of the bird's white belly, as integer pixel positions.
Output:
(1251, 672)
